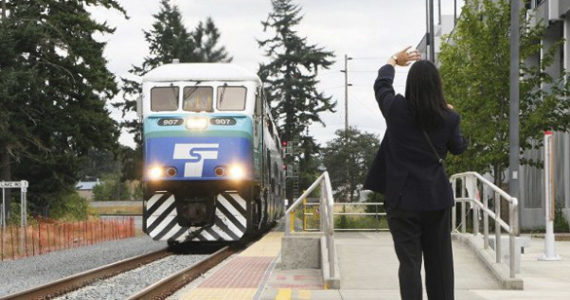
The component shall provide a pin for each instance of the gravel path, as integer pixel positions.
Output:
(22, 274)
(126, 284)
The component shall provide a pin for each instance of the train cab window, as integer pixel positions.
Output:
(231, 98)
(198, 99)
(164, 98)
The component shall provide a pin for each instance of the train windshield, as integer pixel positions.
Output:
(198, 99)
(164, 98)
(231, 98)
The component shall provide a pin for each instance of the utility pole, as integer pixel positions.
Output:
(454, 12)
(514, 150)
(431, 33)
(439, 12)
(346, 85)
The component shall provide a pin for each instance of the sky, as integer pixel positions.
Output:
(369, 31)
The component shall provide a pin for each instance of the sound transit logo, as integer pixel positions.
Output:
(195, 154)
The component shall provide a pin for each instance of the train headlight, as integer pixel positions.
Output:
(155, 172)
(236, 172)
(197, 123)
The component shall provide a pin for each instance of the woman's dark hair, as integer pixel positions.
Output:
(425, 95)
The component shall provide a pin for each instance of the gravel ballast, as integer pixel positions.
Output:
(23, 274)
(126, 284)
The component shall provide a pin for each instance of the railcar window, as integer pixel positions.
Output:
(198, 98)
(164, 98)
(231, 98)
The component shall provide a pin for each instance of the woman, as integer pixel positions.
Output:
(408, 170)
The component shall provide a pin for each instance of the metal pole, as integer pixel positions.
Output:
(454, 12)
(346, 94)
(549, 241)
(431, 33)
(439, 12)
(3, 208)
(485, 218)
(514, 150)
(497, 228)
(427, 27)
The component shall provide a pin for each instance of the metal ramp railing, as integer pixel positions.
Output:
(326, 216)
(470, 186)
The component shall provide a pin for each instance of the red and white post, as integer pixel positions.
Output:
(549, 247)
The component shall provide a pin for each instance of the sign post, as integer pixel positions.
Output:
(23, 186)
(549, 251)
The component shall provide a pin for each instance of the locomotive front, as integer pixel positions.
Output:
(201, 150)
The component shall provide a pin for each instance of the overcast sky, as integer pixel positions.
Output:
(367, 30)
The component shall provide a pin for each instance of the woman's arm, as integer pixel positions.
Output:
(456, 144)
(383, 89)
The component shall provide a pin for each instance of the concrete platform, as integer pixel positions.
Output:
(369, 267)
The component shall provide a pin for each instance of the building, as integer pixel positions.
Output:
(85, 189)
(555, 14)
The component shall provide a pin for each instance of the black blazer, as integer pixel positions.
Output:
(405, 169)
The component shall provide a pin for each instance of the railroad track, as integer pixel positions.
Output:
(76, 281)
(172, 283)
(159, 290)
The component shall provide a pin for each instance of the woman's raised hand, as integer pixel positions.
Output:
(406, 57)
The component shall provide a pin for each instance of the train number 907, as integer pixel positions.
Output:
(223, 121)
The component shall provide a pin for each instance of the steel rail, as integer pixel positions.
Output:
(169, 285)
(82, 279)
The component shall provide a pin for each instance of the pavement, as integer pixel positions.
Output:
(368, 270)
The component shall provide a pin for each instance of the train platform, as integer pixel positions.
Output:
(368, 270)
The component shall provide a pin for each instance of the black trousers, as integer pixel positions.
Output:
(428, 233)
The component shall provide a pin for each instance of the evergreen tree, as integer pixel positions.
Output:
(290, 79)
(167, 40)
(53, 87)
(475, 70)
(291, 75)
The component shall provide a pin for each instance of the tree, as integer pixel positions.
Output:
(111, 188)
(54, 84)
(475, 71)
(291, 82)
(348, 158)
(290, 76)
(167, 40)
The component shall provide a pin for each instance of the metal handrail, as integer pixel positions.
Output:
(326, 218)
(470, 182)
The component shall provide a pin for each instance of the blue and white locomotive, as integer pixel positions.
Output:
(212, 155)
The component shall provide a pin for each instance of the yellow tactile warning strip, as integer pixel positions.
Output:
(288, 294)
(220, 294)
(269, 245)
(240, 278)
(284, 294)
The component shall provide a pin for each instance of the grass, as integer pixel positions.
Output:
(114, 210)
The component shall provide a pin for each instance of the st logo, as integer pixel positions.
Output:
(195, 154)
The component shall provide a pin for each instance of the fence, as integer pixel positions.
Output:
(47, 237)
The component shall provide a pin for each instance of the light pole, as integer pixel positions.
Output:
(514, 150)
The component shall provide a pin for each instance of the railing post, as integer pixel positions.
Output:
(511, 241)
(497, 227)
(485, 217)
(475, 220)
(463, 205)
(287, 226)
(454, 208)
(322, 207)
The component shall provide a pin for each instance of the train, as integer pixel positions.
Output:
(213, 160)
